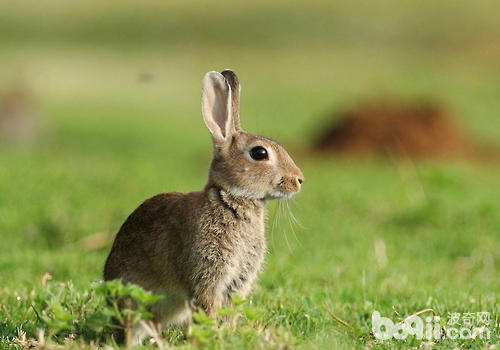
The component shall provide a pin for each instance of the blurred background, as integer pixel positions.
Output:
(100, 109)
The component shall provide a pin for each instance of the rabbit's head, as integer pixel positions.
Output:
(244, 164)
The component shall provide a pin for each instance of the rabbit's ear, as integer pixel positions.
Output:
(234, 83)
(216, 106)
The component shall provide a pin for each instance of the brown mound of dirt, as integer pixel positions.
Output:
(418, 130)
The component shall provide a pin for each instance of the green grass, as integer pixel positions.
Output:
(377, 234)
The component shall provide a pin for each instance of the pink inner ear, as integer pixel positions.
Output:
(219, 110)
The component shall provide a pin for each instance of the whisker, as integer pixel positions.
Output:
(284, 233)
(293, 217)
(291, 223)
(273, 226)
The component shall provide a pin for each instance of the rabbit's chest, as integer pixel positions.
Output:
(244, 258)
(228, 248)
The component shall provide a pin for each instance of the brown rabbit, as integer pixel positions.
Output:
(198, 248)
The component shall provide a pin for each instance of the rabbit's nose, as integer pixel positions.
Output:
(299, 177)
(298, 181)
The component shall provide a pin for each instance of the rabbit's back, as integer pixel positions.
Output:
(148, 248)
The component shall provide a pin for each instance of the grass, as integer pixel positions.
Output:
(377, 234)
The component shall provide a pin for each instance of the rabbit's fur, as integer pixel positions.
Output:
(198, 248)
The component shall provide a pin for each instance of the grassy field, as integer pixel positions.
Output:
(116, 87)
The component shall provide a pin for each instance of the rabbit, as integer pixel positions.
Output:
(198, 248)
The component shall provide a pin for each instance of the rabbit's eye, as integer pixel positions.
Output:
(259, 153)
